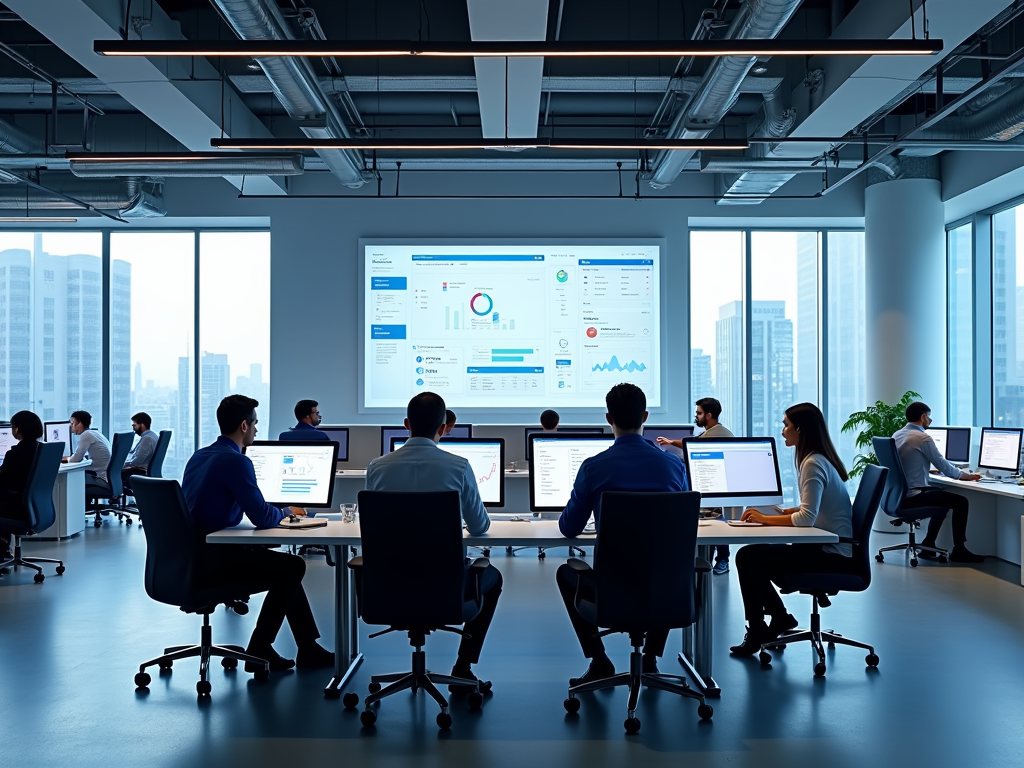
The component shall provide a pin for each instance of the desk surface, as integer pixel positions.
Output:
(1009, 490)
(361, 473)
(65, 468)
(539, 533)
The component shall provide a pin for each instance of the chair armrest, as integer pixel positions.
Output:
(580, 566)
(848, 540)
(479, 565)
(356, 562)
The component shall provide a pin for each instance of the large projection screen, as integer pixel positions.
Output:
(510, 325)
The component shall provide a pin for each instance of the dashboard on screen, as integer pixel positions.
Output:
(295, 473)
(486, 456)
(510, 326)
(555, 459)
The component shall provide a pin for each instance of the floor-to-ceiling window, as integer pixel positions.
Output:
(960, 324)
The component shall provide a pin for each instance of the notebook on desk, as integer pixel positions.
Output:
(302, 523)
(742, 523)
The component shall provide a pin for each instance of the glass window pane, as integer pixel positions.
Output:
(51, 324)
(960, 326)
(1007, 306)
(152, 312)
(234, 325)
(847, 334)
(784, 335)
(716, 323)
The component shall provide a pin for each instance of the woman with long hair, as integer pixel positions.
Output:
(26, 428)
(824, 503)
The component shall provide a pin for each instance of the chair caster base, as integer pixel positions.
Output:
(632, 726)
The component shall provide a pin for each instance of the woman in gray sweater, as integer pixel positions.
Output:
(824, 503)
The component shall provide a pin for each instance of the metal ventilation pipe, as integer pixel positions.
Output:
(756, 20)
(16, 141)
(295, 84)
(129, 197)
(999, 120)
(229, 165)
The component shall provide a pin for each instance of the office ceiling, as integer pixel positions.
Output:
(964, 98)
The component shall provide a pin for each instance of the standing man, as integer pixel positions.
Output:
(307, 414)
(419, 465)
(141, 453)
(220, 486)
(631, 464)
(918, 454)
(91, 444)
(706, 416)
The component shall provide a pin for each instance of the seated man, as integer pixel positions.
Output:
(631, 464)
(420, 465)
(94, 446)
(450, 420)
(219, 486)
(307, 414)
(549, 420)
(141, 453)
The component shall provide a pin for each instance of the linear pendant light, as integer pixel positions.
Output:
(372, 48)
(370, 144)
(37, 220)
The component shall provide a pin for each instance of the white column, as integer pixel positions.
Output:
(905, 270)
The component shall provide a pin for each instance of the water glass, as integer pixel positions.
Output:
(348, 513)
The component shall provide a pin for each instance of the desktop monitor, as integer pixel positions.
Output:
(681, 432)
(954, 443)
(338, 435)
(734, 471)
(530, 431)
(486, 455)
(1000, 448)
(7, 441)
(299, 472)
(59, 432)
(555, 458)
(386, 433)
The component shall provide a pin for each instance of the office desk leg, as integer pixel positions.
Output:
(346, 628)
(696, 652)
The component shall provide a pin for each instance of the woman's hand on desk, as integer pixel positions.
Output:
(969, 477)
(297, 511)
(754, 515)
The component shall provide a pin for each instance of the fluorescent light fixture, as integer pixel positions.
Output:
(464, 144)
(262, 49)
(36, 220)
(137, 157)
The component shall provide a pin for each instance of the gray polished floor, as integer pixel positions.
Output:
(949, 690)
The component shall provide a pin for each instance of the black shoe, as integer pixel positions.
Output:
(467, 674)
(650, 666)
(928, 554)
(962, 554)
(278, 663)
(757, 635)
(781, 624)
(314, 656)
(598, 670)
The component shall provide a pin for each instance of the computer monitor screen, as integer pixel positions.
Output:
(299, 473)
(734, 471)
(7, 441)
(486, 456)
(954, 443)
(386, 433)
(554, 461)
(60, 432)
(338, 435)
(561, 431)
(1000, 448)
(672, 433)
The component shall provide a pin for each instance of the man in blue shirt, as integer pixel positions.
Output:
(420, 465)
(219, 487)
(631, 464)
(307, 414)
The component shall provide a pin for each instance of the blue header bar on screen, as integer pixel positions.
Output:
(387, 331)
(389, 284)
(491, 257)
(616, 262)
(707, 455)
(492, 369)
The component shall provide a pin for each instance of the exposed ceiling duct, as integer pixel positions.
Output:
(232, 165)
(131, 198)
(756, 20)
(14, 140)
(295, 84)
(1000, 119)
(748, 165)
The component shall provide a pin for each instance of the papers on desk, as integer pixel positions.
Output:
(742, 523)
(302, 523)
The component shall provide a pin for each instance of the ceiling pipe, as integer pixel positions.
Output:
(296, 85)
(16, 141)
(1000, 119)
(131, 198)
(233, 165)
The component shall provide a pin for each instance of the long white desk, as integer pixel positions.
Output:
(696, 654)
(68, 502)
(349, 482)
(996, 524)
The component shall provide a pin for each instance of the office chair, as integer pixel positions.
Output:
(112, 488)
(411, 578)
(635, 591)
(173, 550)
(154, 468)
(822, 586)
(892, 503)
(37, 503)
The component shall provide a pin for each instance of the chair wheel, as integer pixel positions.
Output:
(350, 700)
(541, 555)
(831, 645)
(871, 660)
(229, 663)
(373, 687)
(444, 721)
(166, 665)
(367, 717)
(38, 578)
(632, 725)
(60, 570)
(203, 687)
(704, 711)
(261, 675)
(943, 559)
(485, 552)
(332, 693)
(128, 521)
(476, 700)
(572, 705)
(880, 558)
(765, 658)
(97, 523)
(913, 562)
(508, 551)
(819, 669)
(142, 680)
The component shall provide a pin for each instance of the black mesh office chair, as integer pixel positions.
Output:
(37, 504)
(413, 579)
(637, 591)
(154, 468)
(892, 503)
(173, 552)
(110, 490)
(822, 586)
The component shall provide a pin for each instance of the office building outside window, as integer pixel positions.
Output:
(1008, 318)
(960, 324)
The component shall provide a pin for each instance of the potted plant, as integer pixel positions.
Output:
(878, 420)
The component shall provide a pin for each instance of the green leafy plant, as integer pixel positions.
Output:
(878, 420)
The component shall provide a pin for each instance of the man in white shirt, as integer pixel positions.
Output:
(918, 453)
(91, 444)
(419, 465)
